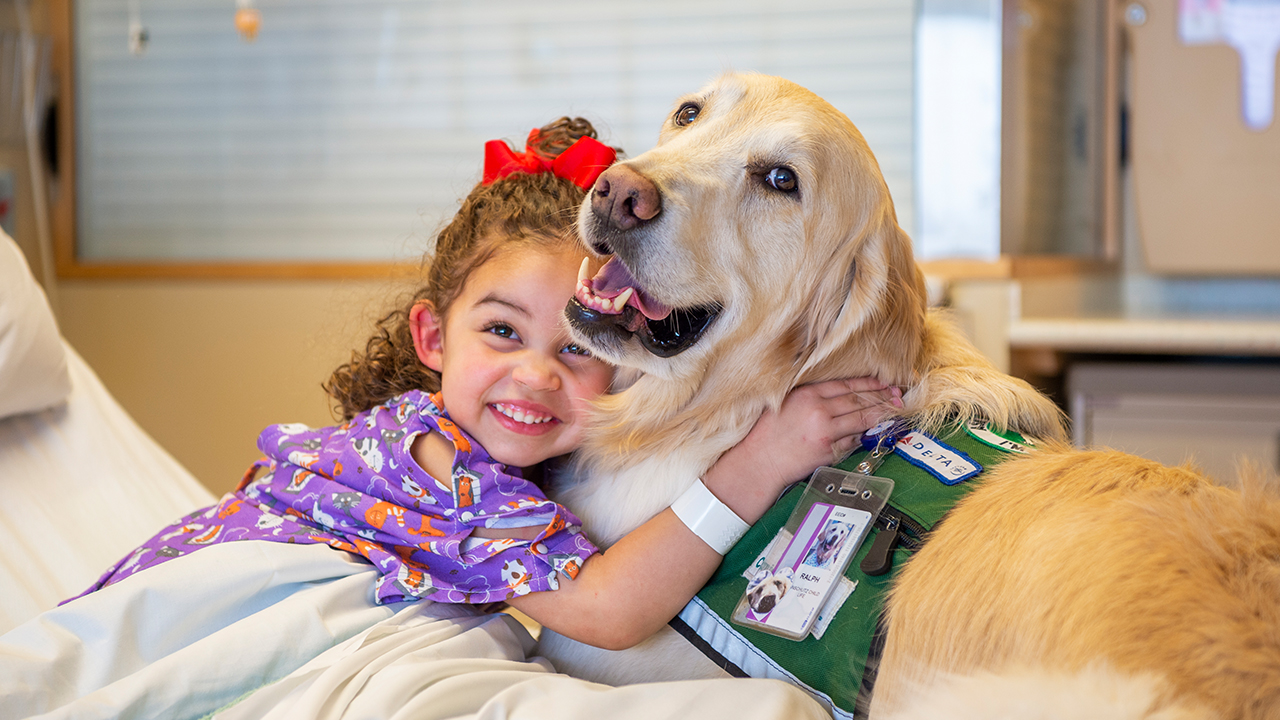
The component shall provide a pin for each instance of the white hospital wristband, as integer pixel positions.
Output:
(708, 518)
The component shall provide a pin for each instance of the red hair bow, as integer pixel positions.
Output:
(581, 163)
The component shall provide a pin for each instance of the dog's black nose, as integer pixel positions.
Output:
(624, 198)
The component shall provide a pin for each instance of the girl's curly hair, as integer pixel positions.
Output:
(519, 210)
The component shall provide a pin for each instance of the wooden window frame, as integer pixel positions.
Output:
(62, 207)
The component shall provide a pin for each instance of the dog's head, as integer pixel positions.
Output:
(765, 591)
(831, 541)
(758, 227)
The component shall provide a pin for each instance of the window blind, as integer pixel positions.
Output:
(349, 129)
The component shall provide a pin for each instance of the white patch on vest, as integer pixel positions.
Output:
(760, 561)
(839, 594)
(983, 432)
(947, 464)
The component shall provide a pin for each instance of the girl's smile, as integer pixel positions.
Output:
(524, 418)
(510, 376)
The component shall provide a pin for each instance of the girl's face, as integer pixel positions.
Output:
(510, 376)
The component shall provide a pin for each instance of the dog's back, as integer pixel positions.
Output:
(1068, 560)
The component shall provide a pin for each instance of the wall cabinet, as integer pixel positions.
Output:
(1214, 414)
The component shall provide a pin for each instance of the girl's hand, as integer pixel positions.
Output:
(817, 425)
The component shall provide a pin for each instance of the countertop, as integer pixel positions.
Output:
(1176, 336)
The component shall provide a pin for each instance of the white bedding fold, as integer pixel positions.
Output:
(290, 632)
(188, 636)
(419, 665)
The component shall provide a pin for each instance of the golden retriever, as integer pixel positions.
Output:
(762, 252)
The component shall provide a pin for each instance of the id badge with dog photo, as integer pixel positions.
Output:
(811, 552)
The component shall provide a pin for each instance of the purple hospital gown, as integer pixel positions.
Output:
(356, 487)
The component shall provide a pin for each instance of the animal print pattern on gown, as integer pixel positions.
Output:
(356, 488)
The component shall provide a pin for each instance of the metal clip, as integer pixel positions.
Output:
(874, 459)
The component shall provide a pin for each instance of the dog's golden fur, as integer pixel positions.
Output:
(1056, 562)
(1069, 559)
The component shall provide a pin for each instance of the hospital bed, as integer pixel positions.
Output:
(81, 484)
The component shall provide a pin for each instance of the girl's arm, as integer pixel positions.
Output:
(625, 595)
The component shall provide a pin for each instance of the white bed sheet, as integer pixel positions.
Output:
(274, 631)
(80, 485)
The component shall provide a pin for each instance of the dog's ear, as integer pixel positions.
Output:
(868, 313)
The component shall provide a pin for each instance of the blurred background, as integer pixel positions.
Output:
(220, 195)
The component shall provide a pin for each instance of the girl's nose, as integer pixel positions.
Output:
(536, 373)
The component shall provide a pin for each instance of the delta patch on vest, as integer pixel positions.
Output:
(941, 460)
(930, 475)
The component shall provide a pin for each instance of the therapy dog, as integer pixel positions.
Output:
(757, 249)
(763, 228)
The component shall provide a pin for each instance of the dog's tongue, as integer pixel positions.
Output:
(614, 278)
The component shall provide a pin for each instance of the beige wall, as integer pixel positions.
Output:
(203, 366)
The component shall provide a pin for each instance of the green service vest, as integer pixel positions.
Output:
(834, 668)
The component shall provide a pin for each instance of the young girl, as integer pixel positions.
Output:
(471, 381)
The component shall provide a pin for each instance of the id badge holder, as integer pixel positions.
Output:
(811, 552)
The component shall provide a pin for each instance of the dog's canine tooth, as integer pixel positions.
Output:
(621, 301)
(582, 271)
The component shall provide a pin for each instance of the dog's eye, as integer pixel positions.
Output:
(687, 113)
(782, 178)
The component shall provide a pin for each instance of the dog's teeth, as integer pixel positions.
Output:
(582, 271)
(621, 301)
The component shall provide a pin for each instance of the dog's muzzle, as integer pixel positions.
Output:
(622, 203)
(665, 338)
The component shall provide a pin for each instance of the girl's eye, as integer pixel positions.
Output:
(576, 350)
(687, 113)
(502, 330)
(782, 179)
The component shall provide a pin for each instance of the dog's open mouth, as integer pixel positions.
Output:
(613, 297)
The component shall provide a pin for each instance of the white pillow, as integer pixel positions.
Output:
(33, 362)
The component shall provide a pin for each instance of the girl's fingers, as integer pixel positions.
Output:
(864, 384)
(859, 419)
(897, 396)
(854, 402)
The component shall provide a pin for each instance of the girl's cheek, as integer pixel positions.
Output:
(601, 377)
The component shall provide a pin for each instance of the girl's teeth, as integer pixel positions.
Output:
(521, 416)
